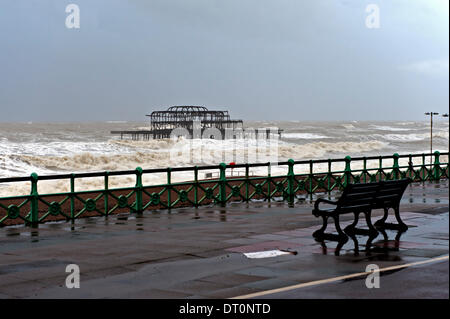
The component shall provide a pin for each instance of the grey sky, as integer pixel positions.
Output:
(261, 59)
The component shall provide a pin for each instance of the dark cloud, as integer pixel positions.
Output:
(285, 59)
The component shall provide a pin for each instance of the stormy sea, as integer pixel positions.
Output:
(50, 148)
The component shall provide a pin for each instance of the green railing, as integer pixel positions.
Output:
(35, 207)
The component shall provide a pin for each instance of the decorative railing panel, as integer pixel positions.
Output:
(35, 207)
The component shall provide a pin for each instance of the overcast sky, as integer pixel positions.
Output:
(260, 59)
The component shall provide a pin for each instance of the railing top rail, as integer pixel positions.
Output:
(207, 167)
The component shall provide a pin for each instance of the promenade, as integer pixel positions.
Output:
(199, 253)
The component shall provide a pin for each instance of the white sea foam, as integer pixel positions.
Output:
(404, 138)
(349, 126)
(412, 137)
(148, 157)
(389, 128)
(303, 136)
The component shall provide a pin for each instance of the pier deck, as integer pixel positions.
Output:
(166, 133)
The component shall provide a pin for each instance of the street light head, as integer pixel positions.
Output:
(427, 113)
(445, 115)
(435, 113)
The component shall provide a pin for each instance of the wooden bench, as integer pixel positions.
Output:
(362, 198)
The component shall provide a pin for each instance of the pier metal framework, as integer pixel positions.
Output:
(162, 123)
(185, 116)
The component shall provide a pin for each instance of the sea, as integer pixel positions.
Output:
(51, 148)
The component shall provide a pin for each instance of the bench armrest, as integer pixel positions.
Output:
(320, 200)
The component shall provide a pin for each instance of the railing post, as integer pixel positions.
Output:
(247, 173)
(424, 168)
(311, 177)
(329, 177)
(290, 178)
(347, 171)
(437, 166)
(34, 200)
(196, 186)
(138, 205)
(269, 180)
(365, 172)
(72, 197)
(169, 187)
(106, 193)
(222, 184)
(380, 168)
(412, 171)
(396, 167)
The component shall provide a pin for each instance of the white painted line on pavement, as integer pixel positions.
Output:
(334, 279)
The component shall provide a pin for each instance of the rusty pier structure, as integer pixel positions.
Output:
(188, 121)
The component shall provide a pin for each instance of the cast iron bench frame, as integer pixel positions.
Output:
(363, 198)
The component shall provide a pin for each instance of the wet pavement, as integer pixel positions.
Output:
(199, 253)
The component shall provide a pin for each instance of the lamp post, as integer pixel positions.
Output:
(431, 135)
(446, 115)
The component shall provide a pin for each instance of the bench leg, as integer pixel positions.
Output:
(372, 229)
(355, 242)
(402, 226)
(339, 246)
(397, 237)
(382, 221)
(337, 251)
(369, 243)
(342, 235)
(385, 236)
(350, 229)
(318, 234)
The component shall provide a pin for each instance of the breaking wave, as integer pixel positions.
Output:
(412, 137)
(149, 158)
(390, 128)
(303, 136)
